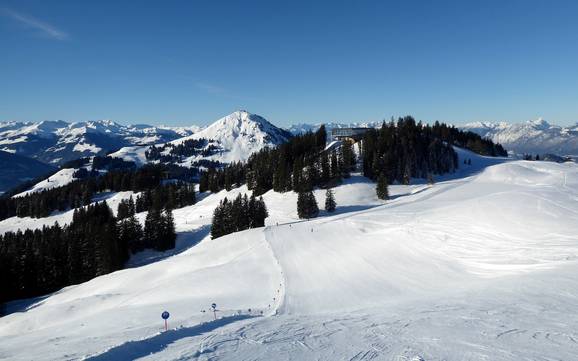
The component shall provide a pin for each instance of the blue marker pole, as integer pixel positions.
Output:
(165, 315)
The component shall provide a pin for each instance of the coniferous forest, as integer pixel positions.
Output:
(237, 215)
(406, 149)
(35, 262)
(400, 150)
(80, 191)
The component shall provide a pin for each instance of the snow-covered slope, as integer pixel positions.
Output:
(56, 142)
(479, 266)
(58, 179)
(230, 139)
(534, 137)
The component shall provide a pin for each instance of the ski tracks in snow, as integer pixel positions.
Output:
(279, 298)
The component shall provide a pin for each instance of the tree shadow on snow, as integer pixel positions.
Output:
(347, 209)
(22, 305)
(185, 240)
(132, 350)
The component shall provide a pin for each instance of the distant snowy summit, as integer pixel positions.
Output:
(535, 137)
(240, 134)
(232, 138)
(56, 142)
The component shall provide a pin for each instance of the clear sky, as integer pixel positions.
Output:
(191, 62)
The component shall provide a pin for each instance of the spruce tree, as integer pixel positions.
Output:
(167, 235)
(217, 222)
(297, 175)
(152, 228)
(302, 205)
(307, 205)
(407, 174)
(131, 234)
(330, 204)
(325, 169)
(347, 158)
(381, 188)
(260, 213)
(321, 137)
(312, 205)
(335, 168)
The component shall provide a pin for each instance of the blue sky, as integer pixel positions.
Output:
(186, 62)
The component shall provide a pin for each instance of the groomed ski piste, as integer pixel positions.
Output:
(480, 266)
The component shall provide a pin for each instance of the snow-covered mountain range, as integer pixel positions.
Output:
(230, 139)
(537, 136)
(56, 142)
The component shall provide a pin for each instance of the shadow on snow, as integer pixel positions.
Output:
(135, 349)
(185, 240)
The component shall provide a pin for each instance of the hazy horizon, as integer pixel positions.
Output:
(204, 123)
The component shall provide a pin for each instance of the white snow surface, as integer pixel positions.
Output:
(134, 154)
(480, 266)
(58, 179)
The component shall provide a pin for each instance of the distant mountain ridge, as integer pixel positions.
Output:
(535, 137)
(56, 142)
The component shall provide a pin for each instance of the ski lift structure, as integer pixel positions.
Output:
(352, 135)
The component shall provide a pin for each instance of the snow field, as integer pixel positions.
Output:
(479, 266)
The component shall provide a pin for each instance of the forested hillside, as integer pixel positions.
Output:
(400, 150)
(96, 242)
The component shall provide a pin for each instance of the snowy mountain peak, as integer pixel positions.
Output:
(539, 123)
(238, 135)
(238, 118)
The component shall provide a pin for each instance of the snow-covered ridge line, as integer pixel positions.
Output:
(535, 137)
(56, 142)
